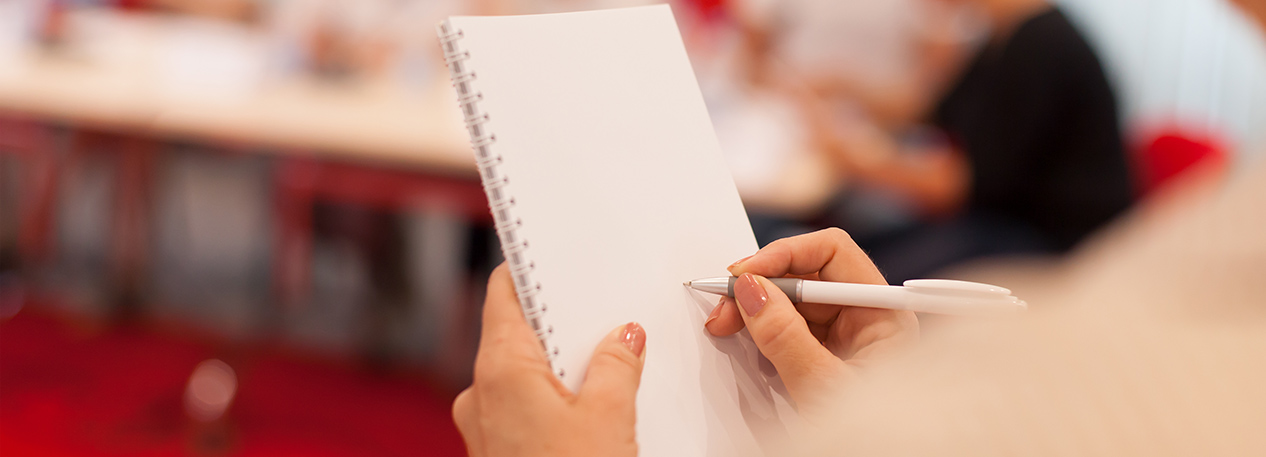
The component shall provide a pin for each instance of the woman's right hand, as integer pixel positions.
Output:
(816, 348)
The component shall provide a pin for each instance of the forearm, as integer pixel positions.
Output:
(891, 102)
(938, 183)
(936, 179)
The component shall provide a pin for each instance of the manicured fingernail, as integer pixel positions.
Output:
(750, 294)
(737, 262)
(716, 312)
(634, 338)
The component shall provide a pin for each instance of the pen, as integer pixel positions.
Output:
(937, 296)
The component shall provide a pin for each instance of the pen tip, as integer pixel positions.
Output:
(687, 283)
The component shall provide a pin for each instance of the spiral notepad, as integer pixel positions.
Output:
(608, 190)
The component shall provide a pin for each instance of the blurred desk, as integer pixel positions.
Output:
(193, 79)
(368, 122)
(371, 122)
(370, 141)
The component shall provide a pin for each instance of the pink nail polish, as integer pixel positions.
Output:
(634, 338)
(750, 294)
(716, 312)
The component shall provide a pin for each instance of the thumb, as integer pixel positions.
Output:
(783, 336)
(616, 370)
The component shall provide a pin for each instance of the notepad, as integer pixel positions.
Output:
(608, 190)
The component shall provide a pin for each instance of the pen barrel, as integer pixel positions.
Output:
(904, 298)
(864, 295)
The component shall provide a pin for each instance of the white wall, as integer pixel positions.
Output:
(1200, 62)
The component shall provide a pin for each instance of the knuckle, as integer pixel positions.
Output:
(776, 257)
(462, 405)
(465, 409)
(839, 235)
(781, 246)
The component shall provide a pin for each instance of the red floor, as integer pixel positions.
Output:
(65, 390)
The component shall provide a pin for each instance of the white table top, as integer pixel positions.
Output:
(132, 73)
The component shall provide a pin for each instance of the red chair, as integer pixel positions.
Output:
(33, 147)
(1172, 152)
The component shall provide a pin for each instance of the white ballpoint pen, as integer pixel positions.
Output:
(936, 296)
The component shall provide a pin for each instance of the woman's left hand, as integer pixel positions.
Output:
(517, 407)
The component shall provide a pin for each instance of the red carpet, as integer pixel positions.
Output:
(119, 391)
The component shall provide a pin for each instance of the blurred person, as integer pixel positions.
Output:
(882, 62)
(335, 39)
(1027, 155)
(744, 82)
(884, 59)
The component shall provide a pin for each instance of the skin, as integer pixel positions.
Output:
(816, 348)
(516, 407)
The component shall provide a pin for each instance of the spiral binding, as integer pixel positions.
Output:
(494, 182)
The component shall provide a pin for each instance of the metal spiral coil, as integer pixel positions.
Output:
(513, 247)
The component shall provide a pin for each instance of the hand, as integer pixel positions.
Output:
(516, 407)
(854, 144)
(816, 348)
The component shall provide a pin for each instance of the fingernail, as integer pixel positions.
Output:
(634, 338)
(716, 312)
(750, 294)
(737, 262)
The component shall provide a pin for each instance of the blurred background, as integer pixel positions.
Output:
(254, 227)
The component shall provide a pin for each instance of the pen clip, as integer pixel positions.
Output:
(957, 288)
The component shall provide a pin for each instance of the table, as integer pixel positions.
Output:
(131, 74)
(122, 74)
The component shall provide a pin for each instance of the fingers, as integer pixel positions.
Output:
(833, 256)
(831, 253)
(615, 371)
(725, 319)
(510, 356)
(502, 315)
(860, 334)
(782, 335)
(466, 416)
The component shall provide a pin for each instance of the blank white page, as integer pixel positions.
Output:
(623, 194)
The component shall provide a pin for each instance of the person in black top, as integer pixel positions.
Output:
(1032, 158)
(1038, 122)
